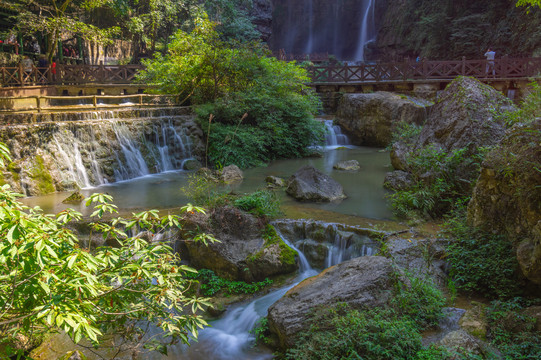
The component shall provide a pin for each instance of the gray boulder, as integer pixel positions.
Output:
(231, 174)
(364, 282)
(310, 184)
(369, 119)
(398, 180)
(460, 341)
(347, 165)
(275, 181)
(243, 253)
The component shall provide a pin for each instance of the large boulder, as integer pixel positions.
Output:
(310, 184)
(369, 119)
(364, 282)
(467, 114)
(507, 196)
(247, 249)
(347, 165)
(231, 174)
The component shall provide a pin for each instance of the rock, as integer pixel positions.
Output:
(310, 184)
(398, 180)
(461, 342)
(347, 165)
(261, 14)
(244, 251)
(369, 119)
(275, 181)
(465, 115)
(231, 174)
(507, 197)
(192, 164)
(474, 321)
(399, 155)
(364, 282)
(424, 257)
(75, 198)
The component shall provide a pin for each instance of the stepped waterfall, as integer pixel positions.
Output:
(81, 150)
(322, 26)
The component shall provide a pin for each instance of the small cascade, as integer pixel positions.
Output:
(334, 136)
(104, 148)
(343, 249)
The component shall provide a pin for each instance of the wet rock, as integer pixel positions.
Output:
(275, 181)
(75, 198)
(507, 196)
(192, 164)
(231, 174)
(310, 184)
(347, 165)
(461, 342)
(398, 180)
(364, 282)
(369, 119)
(474, 321)
(399, 155)
(246, 250)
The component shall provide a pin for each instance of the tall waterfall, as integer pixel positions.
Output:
(341, 28)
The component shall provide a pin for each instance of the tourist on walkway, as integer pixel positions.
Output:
(490, 61)
(12, 40)
(28, 67)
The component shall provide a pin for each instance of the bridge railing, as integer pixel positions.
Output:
(69, 74)
(505, 68)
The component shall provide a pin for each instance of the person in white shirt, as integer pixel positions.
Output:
(490, 54)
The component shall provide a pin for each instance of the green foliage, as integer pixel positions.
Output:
(381, 333)
(256, 108)
(211, 284)
(261, 331)
(204, 190)
(287, 254)
(530, 108)
(481, 262)
(49, 283)
(512, 331)
(419, 300)
(341, 333)
(260, 203)
(405, 132)
(441, 181)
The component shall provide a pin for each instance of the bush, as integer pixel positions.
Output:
(481, 262)
(212, 284)
(260, 203)
(441, 181)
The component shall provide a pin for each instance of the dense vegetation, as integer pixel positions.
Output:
(50, 281)
(470, 27)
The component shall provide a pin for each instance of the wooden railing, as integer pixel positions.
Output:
(505, 68)
(69, 74)
(81, 103)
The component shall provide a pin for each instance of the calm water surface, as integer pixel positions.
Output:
(363, 188)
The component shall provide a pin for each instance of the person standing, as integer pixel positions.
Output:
(28, 67)
(490, 55)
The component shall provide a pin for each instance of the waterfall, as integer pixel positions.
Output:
(230, 337)
(334, 136)
(107, 147)
(340, 28)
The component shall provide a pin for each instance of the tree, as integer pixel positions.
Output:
(261, 107)
(529, 3)
(49, 281)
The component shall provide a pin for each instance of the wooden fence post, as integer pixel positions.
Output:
(463, 66)
(95, 102)
(21, 76)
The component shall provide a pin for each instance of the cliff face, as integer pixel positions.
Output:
(443, 29)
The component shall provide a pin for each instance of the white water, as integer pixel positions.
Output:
(128, 148)
(367, 29)
(230, 337)
(334, 137)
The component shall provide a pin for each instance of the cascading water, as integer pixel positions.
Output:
(341, 28)
(334, 136)
(230, 337)
(104, 148)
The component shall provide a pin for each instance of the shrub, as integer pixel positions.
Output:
(260, 203)
(481, 262)
(212, 284)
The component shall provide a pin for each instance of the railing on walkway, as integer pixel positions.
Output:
(68, 74)
(82, 103)
(505, 68)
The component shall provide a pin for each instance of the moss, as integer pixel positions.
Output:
(287, 254)
(42, 177)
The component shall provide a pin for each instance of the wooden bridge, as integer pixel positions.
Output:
(411, 71)
(331, 74)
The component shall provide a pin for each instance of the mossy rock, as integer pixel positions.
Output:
(74, 198)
